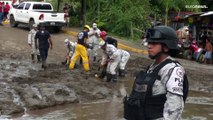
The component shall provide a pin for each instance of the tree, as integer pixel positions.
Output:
(176, 5)
(122, 16)
(208, 4)
(119, 16)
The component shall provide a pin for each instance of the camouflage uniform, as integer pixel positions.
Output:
(171, 83)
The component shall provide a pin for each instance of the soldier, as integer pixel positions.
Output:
(31, 42)
(124, 59)
(70, 50)
(111, 58)
(159, 92)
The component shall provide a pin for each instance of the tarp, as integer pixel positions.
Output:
(207, 14)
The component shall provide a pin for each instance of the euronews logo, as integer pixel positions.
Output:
(196, 6)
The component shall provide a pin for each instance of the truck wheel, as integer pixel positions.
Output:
(199, 55)
(187, 54)
(13, 23)
(201, 59)
(31, 24)
(57, 29)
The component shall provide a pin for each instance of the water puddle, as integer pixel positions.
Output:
(16, 98)
(15, 68)
(106, 110)
(196, 108)
(199, 105)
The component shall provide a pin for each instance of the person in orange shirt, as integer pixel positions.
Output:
(208, 54)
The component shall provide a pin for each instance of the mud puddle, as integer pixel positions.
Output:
(113, 110)
(33, 92)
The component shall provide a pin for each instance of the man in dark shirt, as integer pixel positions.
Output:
(203, 38)
(108, 40)
(43, 42)
(80, 50)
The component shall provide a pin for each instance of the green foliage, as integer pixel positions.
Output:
(208, 4)
(74, 21)
(176, 5)
(121, 17)
(101, 25)
(54, 4)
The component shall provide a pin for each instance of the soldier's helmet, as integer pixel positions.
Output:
(165, 35)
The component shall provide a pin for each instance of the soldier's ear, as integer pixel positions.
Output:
(165, 48)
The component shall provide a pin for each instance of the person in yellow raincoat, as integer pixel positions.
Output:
(80, 50)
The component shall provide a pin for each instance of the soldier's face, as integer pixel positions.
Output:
(154, 48)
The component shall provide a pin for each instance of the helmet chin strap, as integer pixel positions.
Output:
(156, 56)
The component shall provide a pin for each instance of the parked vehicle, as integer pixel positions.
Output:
(201, 55)
(185, 49)
(36, 13)
(191, 50)
(198, 52)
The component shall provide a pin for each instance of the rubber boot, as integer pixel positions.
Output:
(114, 78)
(33, 58)
(103, 74)
(81, 61)
(121, 73)
(38, 58)
(64, 62)
(109, 77)
(44, 65)
(94, 58)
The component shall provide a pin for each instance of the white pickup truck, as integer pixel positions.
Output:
(38, 13)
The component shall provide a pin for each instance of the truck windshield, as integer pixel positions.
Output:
(42, 6)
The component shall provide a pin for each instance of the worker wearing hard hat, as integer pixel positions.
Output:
(80, 49)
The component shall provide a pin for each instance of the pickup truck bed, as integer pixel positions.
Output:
(37, 13)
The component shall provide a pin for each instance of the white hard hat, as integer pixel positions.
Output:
(101, 43)
(66, 41)
(94, 25)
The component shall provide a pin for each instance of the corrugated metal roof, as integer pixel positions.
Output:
(207, 14)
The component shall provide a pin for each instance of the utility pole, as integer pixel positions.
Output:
(166, 11)
(98, 10)
(58, 5)
(84, 16)
(83, 9)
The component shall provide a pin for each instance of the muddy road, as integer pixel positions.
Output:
(26, 88)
